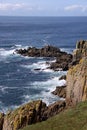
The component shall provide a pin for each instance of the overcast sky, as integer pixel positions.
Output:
(43, 7)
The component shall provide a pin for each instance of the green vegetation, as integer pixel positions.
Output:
(71, 119)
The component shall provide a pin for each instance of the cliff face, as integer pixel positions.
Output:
(77, 75)
(80, 51)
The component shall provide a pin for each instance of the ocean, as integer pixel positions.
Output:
(19, 81)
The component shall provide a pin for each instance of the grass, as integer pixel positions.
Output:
(71, 119)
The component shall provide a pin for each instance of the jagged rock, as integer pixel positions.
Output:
(54, 109)
(77, 76)
(24, 115)
(1, 120)
(60, 91)
(47, 51)
(33, 112)
(62, 77)
(62, 62)
(80, 51)
(62, 58)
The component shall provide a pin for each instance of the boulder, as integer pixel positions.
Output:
(60, 91)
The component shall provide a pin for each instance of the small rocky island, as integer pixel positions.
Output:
(75, 91)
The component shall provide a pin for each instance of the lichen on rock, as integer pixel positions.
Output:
(77, 75)
(24, 115)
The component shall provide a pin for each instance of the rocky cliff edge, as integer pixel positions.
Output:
(77, 75)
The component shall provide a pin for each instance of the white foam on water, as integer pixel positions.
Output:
(4, 52)
(68, 50)
(48, 70)
(49, 84)
(39, 65)
(47, 87)
(3, 89)
(5, 109)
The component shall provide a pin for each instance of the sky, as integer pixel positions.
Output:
(43, 7)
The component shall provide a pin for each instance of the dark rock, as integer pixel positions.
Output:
(62, 58)
(47, 51)
(60, 91)
(37, 69)
(54, 109)
(62, 77)
(62, 62)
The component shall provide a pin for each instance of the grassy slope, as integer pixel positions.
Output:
(71, 119)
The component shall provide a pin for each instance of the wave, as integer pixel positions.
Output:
(49, 84)
(68, 50)
(3, 89)
(5, 52)
(45, 88)
(5, 109)
(40, 66)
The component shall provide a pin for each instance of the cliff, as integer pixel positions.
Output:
(77, 75)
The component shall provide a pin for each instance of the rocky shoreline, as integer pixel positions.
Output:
(75, 91)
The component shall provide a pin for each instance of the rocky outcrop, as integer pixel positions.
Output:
(62, 62)
(60, 91)
(62, 58)
(77, 75)
(80, 51)
(24, 115)
(54, 109)
(33, 112)
(47, 51)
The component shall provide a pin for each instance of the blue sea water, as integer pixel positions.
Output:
(19, 82)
